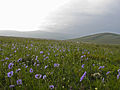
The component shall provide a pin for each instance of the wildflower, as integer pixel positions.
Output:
(41, 52)
(107, 72)
(31, 70)
(47, 57)
(34, 64)
(56, 65)
(36, 57)
(11, 86)
(96, 89)
(119, 73)
(51, 86)
(83, 66)
(6, 58)
(117, 76)
(10, 74)
(31, 45)
(82, 56)
(38, 76)
(18, 70)
(44, 76)
(15, 51)
(19, 82)
(19, 60)
(96, 74)
(26, 66)
(46, 67)
(48, 53)
(2, 60)
(38, 64)
(93, 64)
(101, 67)
(83, 76)
(103, 80)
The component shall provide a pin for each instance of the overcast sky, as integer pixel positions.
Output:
(69, 16)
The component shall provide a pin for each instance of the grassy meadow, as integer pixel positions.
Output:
(39, 64)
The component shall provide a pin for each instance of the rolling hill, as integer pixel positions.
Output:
(36, 34)
(101, 38)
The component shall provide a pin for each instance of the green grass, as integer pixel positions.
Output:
(65, 53)
(101, 38)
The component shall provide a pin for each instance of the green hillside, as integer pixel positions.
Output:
(39, 64)
(102, 38)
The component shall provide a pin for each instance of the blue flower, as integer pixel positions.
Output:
(101, 67)
(10, 74)
(44, 76)
(83, 66)
(18, 70)
(19, 82)
(6, 58)
(51, 86)
(83, 76)
(31, 70)
(107, 72)
(56, 65)
(46, 67)
(19, 60)
(11, 86)
(118, 76)
(41, 52)
(38, 76)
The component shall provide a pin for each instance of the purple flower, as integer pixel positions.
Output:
(6, 58)
(38, 64)
(26, 66)
(19, 60)
(48, 53)
(11, 86)
(107, 72)
(10, 74)
(46, 67)
(2, 60)
(83, 76)
(34, 64)
(41, 52)
(36, 57)
(101, 67)
(19, 82)
(83, 66)
(119, 73)
(38, 76)
(82, 56)
(118, 70)
(93, 64)
(51, 86)
(118, 76)
(103, 80)
(56, 65)
(18, 70)
(31, 70)
(44, 76)
(47, 57)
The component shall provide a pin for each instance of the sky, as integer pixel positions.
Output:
(26, 15)
(68, 16)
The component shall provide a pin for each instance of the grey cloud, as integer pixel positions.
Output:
(82, 20)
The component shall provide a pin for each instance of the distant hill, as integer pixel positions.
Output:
(101, 38)
(36, 34)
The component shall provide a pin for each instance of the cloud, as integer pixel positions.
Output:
(85, 17)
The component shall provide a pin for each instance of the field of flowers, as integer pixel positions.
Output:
(35, 64)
